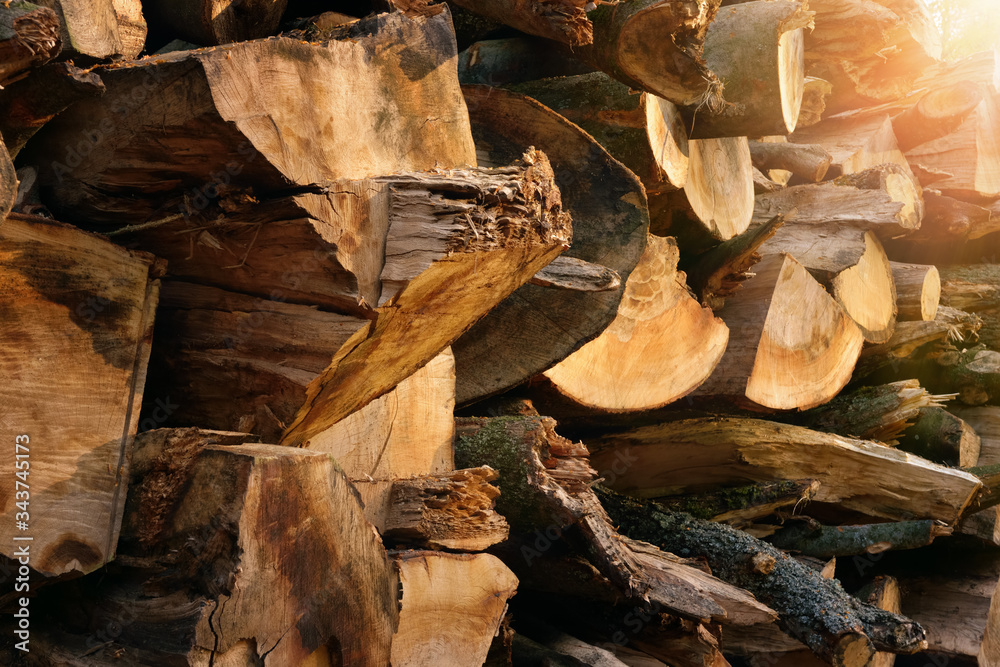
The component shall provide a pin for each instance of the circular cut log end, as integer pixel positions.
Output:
(867, 293)
(808, 347)
(930, 295)
(952, 101)
(853, 650)
(791, 75)
(667, 139)
(661, 345)
(719, 187)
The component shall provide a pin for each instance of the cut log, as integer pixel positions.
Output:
(792, 345)
(808, 162)
(880, 412)
(882, 199)
(225, 528)
(717, 202)
(985, 421)
(701, 454)
(660, 346)
(208, 106)
(851, 264)
(940, 436)
(742, 504)
(775, 178)
(966, 163)
(882, 592)
(540, 326)
(442, 619)
(500, 62)
(817, 611)
(8, 183)
(545, 489)
(973, 373)
(975, 288)
(476, 265)
(947, 223)
(756, 49)
(815, 92)
(29, 37)
(210, 22)
(643, 131)
(918, 290)
(452, 510)
(100, 29)
(77, 323)
(958, 608)
(656, 46)
(27, 105)
(562, 21)
(833, 541)
(856, 144)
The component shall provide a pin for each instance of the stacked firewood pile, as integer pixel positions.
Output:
(648, 332)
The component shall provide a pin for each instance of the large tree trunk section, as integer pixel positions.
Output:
(852, 265)
(77, 323)
(867, 477)
(565, 22)
(230, 125)
(656, 46)
(500, 62)
(817, 611)
(545, 488)
(756, 49)
(478, 265)
(210, 22)
(796, 347)
(540, 326)
(918, 290)
(100, 29)
(644, 131)
(660, 346)
(808, 162)
(451, 607)
(29, 37)
(268, 543)
(966, 163)
(717, 201)
(881, 198)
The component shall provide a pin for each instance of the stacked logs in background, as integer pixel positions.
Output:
(291, 306)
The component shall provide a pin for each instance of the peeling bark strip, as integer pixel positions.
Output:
(500, 229)
(817, 611)
(77, 322)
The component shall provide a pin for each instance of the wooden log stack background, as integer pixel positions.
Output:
(629, 333)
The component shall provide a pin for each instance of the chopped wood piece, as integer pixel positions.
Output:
(220, 528)
(660, 346)
(210, 22)
(856, 143)
(880, 412)
(882, 592)
(966, 163)
(570, 273)
(817, 611)
(973, 373)
(815, 92)
(29, 37)
(545, 486)
(540, 326)
(568, 645)
(717, 201)
(719, 272)
(756, 49)
(985, 420)
(77, 323)
(851, 264)
(9, 195)
(796, 347)
(452, 510)
(975, 288)
(742, 504)
(100, 29)
(947, 222)
(499, 62)
(940, 436)
(807, 161)
(697, 455)
(918, 290)
(882, 199)
(451, 607)
(939, 112)
(564, 21)
(230, 124)
(832, 541)
(642, 130)
(478, 265)
(656, 46)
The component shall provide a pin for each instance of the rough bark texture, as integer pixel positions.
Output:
(29, 37)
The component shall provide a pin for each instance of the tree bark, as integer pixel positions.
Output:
(78, 322)
(835, 541)
(742, 504)
(940, 436)
(29, 37)
(918, 290)
(563, 21)
(500, 62)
